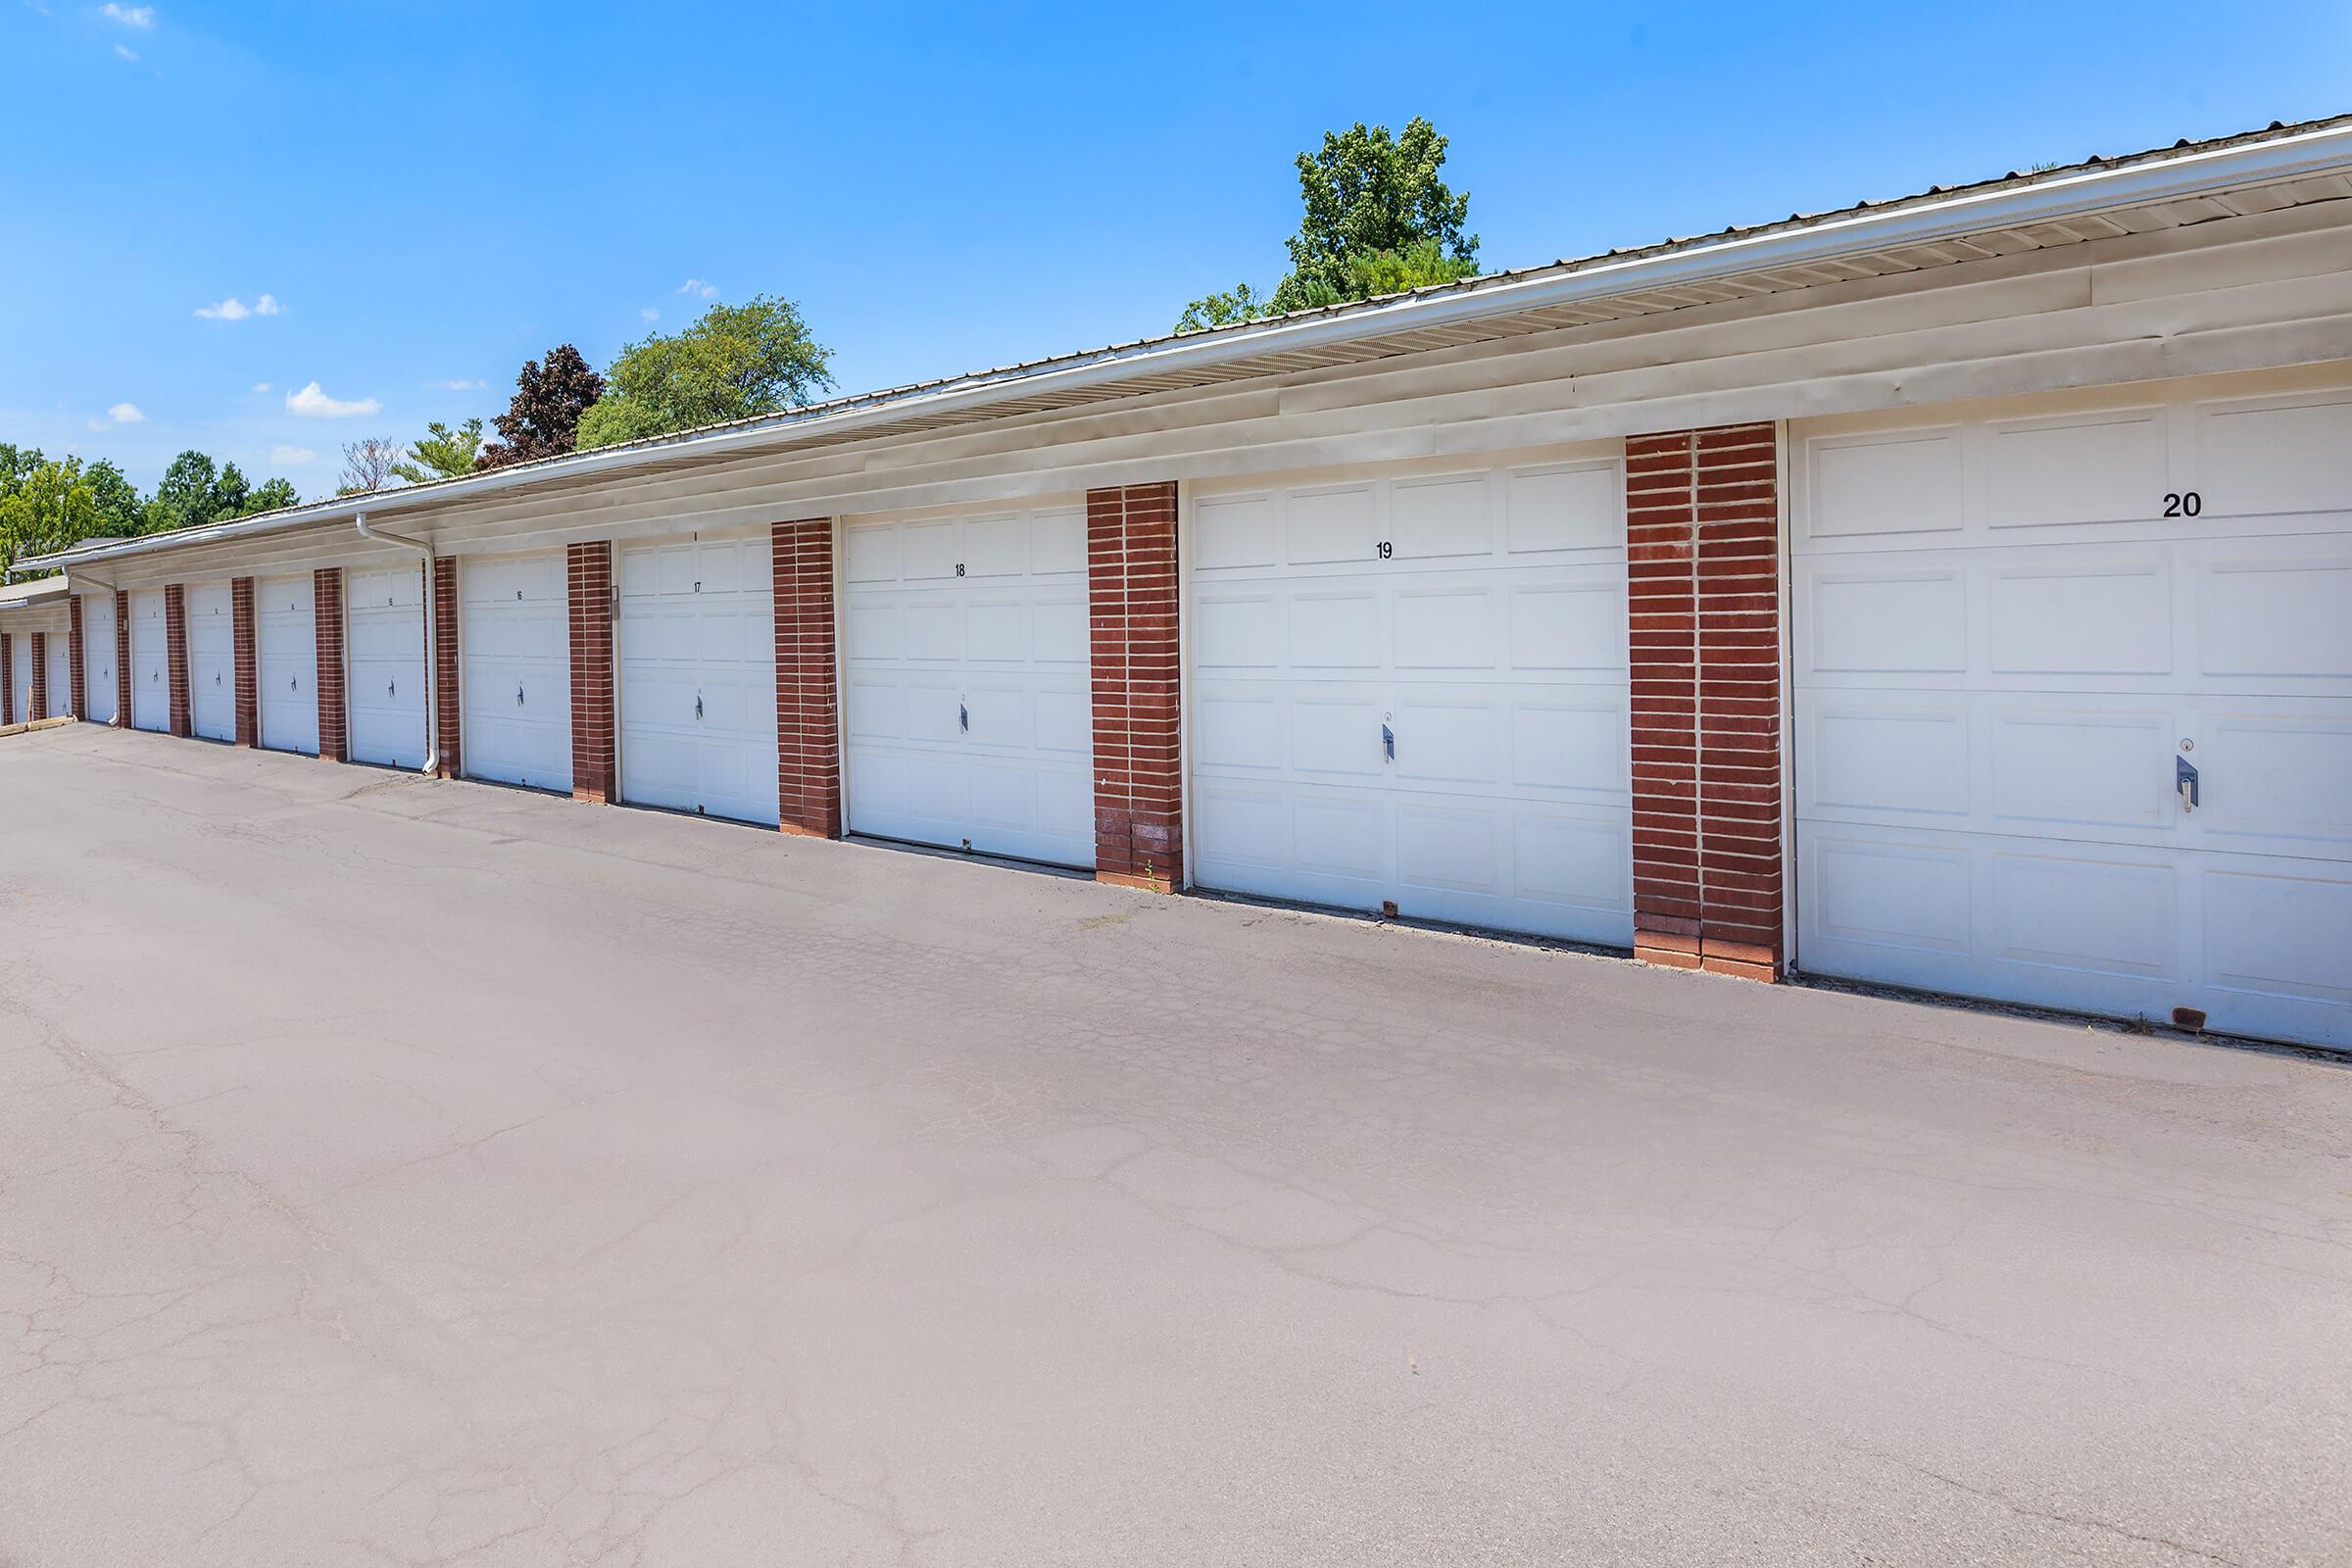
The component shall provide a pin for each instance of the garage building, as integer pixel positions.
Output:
(1945, 593)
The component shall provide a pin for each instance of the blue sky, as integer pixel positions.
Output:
(428, 194)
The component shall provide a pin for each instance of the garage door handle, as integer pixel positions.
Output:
(697, 704)
(391, 688)
(519, 697)
(964, 717)
(2184, 779)
(1387, 743)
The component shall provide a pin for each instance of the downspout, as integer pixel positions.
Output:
(432, 658)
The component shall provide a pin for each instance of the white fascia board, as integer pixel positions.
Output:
(2325, 149)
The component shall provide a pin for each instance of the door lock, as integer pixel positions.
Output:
(2184, 779)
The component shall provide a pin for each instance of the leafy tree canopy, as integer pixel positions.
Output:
(442, 453)
(1376, 220)
(544, 418)
(45, 507)
(737, 362)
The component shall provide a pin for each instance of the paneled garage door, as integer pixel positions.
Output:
(211, 663)
(287, 650)
(970, 708)
(100, 691)
(697, 676)
(150, 661)
(1411, 688)
(383, 619)
(19, 676)
(516, 643)
(2074, 702)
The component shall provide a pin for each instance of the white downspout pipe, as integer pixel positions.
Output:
(432, 649)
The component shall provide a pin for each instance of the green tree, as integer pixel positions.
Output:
(46, 509)
(183, 497)
(544, 418)
(442, 453)
(193, 492)
(738, 361)
(118, 499)
(1376, 220)
(272, 495)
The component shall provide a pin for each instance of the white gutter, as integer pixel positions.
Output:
(433, 671)
(1906, 222)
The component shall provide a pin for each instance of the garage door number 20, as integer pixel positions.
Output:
(2183, 504)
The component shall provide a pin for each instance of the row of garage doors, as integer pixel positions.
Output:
(2072, 692)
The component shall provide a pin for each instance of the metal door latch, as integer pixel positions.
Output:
(964, 717)
(1388, 742)
(2184, 779)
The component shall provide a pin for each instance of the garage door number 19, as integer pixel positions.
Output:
(1384, 549)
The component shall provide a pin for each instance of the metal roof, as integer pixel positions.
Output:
(17, 595)
(2100, 198)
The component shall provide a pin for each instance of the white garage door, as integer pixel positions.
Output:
(100, 692)
(19, 676)
(2017, 629)
(286, 648)
(516, 643)
(384, 642)
(211, 663)
(970, 703)
(1411, 687)
(698, 677)
(150, 661)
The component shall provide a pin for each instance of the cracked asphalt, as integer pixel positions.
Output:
(402, 1172)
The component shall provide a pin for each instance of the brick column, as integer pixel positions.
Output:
(175, 642)
(1703, 515)
(247, 674)
(807, 695)
(77, 688)
(1131, 592)
(449, 757)
(122, 659)
(589, 569)
(7, 678)
(42, 643)
(326, 627)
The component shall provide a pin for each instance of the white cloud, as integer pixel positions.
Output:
(649, 314)
(312, 404)
(127, 53)
(460, 385)
(290, 457)
(233, 309)
(260, 386)
(126, 414)
(97, 424)
(700, 289)
(140, 17)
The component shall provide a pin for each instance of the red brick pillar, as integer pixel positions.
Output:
(1703, 515)
(77, 688)
(122, 659)
(40, 675)
(326, 626)
(1131, 592)
(589, 569)
(449, 757)
(248, 672)
(176, 643)
(807, 695)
